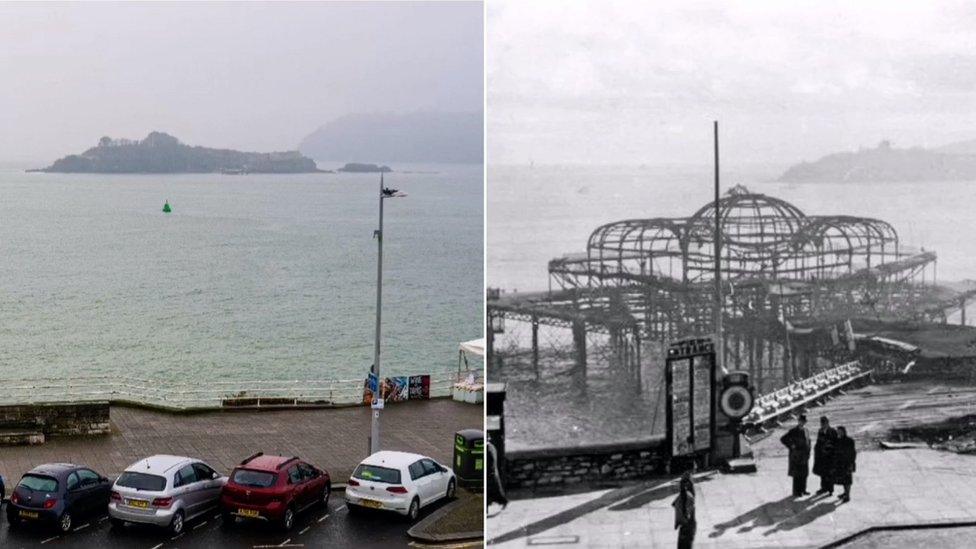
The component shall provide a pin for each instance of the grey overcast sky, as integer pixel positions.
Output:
(253, 76)
(640, 82)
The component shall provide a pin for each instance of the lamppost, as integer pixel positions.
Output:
(374, 436)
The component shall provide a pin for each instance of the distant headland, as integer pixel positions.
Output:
(953, 162)
(162, 153)
(415, 138)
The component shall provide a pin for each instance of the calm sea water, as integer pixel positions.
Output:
(538, 213)
(258, 276)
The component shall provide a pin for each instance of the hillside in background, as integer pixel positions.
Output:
(162, 153)
(953, 162)
(422, 137)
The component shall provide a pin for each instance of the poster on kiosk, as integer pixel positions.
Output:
(690, 378)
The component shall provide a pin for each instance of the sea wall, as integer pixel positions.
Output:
(545, 467)
(57, 418)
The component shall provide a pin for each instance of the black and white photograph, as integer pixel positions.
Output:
(730, 274)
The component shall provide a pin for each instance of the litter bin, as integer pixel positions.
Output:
(469, 457)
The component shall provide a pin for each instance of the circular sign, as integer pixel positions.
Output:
(736, 401)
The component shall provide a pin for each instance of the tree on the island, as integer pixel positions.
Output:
(105, 142)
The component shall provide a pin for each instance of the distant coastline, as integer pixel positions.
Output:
(884, 163)
(162, 153)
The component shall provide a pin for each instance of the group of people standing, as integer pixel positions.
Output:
(834, 458)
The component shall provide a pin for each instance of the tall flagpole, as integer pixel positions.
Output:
(374, 436)
(719, 346)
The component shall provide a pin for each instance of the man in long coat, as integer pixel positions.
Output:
(798, 441)
(823, 456)
(845, 463)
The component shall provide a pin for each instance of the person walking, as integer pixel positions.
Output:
(845, 463)
(684, 511)
(823, 456)
(797, 440)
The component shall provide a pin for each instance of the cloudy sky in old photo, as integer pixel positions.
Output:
(252, 76)
(640, 82)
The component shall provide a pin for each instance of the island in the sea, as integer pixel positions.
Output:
(359, 167)
(953, 162)
(162, 153)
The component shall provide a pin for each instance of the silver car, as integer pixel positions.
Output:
(165, 491)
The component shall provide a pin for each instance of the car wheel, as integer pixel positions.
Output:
(227, 519)
(117, 523)
(414, 511)
(326, 494)
(64, 523)
(13, 521)
(354, 509)
(288, 519)
(176, 526)
(451, 489)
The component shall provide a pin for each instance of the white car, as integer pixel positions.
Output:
(165, 491)
(400, 482)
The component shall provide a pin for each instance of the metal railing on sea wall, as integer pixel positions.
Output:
(204, 395)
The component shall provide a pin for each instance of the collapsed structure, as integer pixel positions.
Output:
(788, 281)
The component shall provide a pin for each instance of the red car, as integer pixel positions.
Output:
(273, 489)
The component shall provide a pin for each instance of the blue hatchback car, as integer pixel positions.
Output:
(56, 494)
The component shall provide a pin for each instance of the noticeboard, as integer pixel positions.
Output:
(690, 378)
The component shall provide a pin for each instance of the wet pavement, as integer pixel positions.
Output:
(317, 527)
(334, 439)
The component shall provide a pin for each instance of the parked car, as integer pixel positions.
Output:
(56, 494)
(273, 489)
(165, 491)
(400, 482)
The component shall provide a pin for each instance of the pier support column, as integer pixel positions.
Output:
(535, 345)
(490, 342)
(579, 343)
(637, 355)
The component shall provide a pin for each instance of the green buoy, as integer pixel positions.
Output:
(166, 208)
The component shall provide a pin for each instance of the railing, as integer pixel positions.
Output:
(799, 394)
(206, 394)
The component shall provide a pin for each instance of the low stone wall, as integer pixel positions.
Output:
(57, 418)
(540, 468)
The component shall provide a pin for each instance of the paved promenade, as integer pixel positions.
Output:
(891, 487)
(335, 439)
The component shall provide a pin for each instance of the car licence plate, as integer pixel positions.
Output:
(28, 514)
(371, 503)
(248, 513)
(139, 503)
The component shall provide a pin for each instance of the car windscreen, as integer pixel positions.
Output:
(374, 473)
(255, 479)
(38, 483)
(141, 481)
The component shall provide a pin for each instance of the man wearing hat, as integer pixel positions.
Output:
(797, 440)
